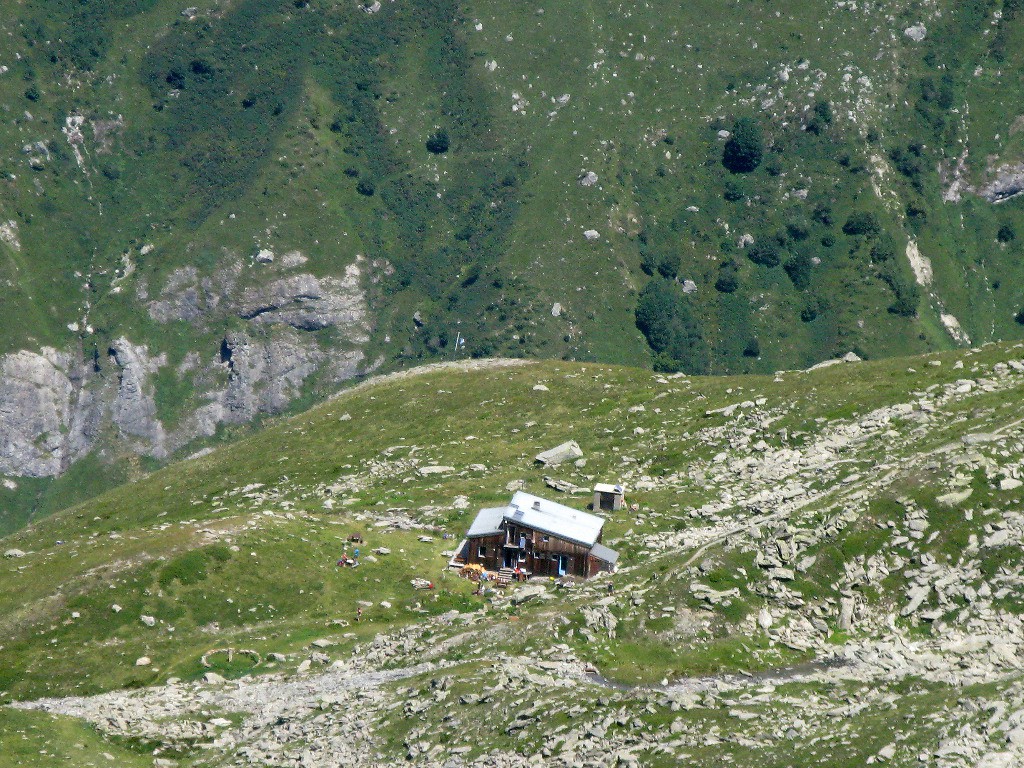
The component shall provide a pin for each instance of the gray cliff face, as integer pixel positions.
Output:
(35, 404)
(134, 407)
(186, 296)
(308, 303)
(55, 407)
(280, 366)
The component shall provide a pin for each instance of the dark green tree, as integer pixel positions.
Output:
(728, 277)
(655, 312)
(821, 118)
(745, 148)
(907, 294)
(862, 223)
(799, 270)
(765, 253)
(438, 143)
(673, 332)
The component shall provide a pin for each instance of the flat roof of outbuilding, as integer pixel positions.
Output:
(601, 552)
(487, 522)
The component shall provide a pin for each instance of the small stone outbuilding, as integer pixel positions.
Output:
(609, 498)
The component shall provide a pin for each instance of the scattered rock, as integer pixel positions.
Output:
(435, 470)
(568, 451)
(563, 486)
(1008, 182)
(954, 498)
(917, 33)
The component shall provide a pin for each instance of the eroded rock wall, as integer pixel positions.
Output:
(56, 406)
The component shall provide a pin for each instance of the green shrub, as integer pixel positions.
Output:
(798, 229)
(671, 328)
(862, 223)
(908, 295)
(1006, 233)
(765, 253)
(438, 143)
(883, 251)
(728, 278)
(906, 304)
(744, 150)
(668, 266)
(821, 118)
(822, 214)
(665, 264)
(734, 191)
(799, 270)
(815, 306)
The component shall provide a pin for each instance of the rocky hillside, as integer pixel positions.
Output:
(821, 568)
(218, 212)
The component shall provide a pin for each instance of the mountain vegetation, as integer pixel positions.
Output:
(264, 200)
(817, 568)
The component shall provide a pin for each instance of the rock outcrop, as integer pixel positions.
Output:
(55, 406)
(265, 374)
(35, 410)
(134, 407)
(189, 297)
(266, 370)
(1008, 182)
(309, 303)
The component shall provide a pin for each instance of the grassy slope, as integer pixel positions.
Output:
(221, 562)
(487, 237)
(116, 548)
(32, 739)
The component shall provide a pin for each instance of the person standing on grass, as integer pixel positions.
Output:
(359, 613)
